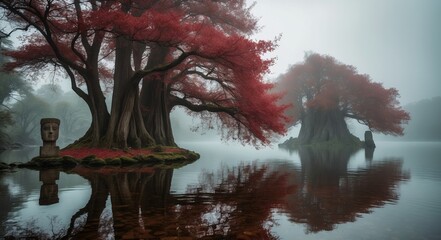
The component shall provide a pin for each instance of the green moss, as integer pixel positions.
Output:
(128, 161)
(87, 160)
(69, 161)
(146, 158)
(175, 156)
(113, 161)
(97, 162)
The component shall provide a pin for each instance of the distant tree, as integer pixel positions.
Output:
(5, 120)
(11, 85)
(27, 113)
(68, 107)
(74, 116)
(51, 92)
(195, 54)
(324, 92)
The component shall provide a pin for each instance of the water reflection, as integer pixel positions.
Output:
(138, 201)
(329, 194)
(49, 189)
(239, 201)
(236, 204)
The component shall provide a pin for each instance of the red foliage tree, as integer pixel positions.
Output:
(323, 92)
(156, 55)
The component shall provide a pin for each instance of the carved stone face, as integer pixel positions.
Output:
(49, 131)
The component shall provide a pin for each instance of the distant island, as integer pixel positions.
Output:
(425, 121)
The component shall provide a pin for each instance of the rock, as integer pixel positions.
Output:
(4, 166)
(368, 140)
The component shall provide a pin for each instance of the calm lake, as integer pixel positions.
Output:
(234, 192)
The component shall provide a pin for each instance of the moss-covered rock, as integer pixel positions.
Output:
(50, 162)
(70, 161)
(96, 162)
(128, 161)
(4, 166)
(113, 161)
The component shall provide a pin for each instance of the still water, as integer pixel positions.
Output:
(234, 192)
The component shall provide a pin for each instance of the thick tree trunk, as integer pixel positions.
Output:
(156, 112)
(125, 128)
(154, 101)
(136, 119)
(100, 114)
(322, 126)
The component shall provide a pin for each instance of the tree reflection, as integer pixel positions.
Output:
(329, 194)
(132, 194)
(236, 203)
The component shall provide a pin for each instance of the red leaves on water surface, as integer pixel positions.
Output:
(103, 153)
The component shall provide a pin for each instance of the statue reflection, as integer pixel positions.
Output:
(49, 189)
(329, 194)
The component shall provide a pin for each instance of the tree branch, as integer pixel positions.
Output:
(210, 107)
(140, 74)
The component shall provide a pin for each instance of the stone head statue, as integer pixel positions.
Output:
(49, 129)
(49, 135)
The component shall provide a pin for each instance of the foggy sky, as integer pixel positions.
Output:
(396, 42)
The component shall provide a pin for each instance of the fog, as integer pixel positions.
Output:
(396, 42)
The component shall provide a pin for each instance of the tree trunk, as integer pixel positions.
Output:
(154, 101)
(136, 119)
(100, 115)
(125, 127)
(323, 126)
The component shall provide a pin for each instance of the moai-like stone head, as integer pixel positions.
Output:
(49, 129)
(49, 189)
(49, 135)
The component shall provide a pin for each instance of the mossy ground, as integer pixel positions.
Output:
(158, 156)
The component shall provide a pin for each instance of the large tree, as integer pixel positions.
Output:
(155, 54)
(324, 92)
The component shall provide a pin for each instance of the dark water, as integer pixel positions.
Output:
(234, 192)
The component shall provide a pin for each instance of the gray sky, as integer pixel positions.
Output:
(396, 42)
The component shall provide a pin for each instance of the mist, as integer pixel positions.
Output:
(395, 42)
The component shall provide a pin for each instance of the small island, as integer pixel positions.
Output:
(324, 93)
(96, 157)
